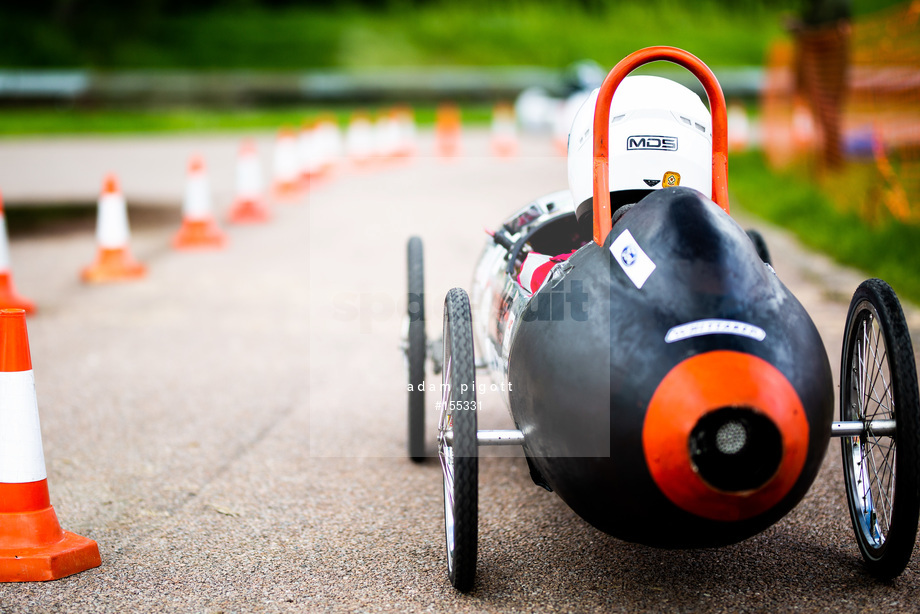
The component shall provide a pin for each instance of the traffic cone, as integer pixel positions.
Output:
(8, 295)
(198, 230)
(113, 257)
(285, 167)
(330, 138)
(249, 206)
(405, 119)
(563, 117)
(504, 131)
(33, 547)
(739, 128)
(804, 132)
(447, 130)
(386, 136)
(359, 138)
(310, 153)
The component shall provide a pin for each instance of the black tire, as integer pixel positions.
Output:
(415, 352)
(760, 245)
(459, 457)
(881, 473)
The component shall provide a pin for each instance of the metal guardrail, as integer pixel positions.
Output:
(151, 87)
(57, 84)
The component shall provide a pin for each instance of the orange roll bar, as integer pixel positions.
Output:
(628, 64)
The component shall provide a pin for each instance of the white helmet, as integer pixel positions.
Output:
(660, 136)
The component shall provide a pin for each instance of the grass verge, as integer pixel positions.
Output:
(45, 121)
(885, 248)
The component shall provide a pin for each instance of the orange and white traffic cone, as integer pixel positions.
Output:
(331, 142)
(8, 295)
(33, 547)
(310, 153)
(114, 261)
(447, 130)
(286, 168)
(504, 131)
(386, 136)
(249, 206)
(563, 116)
(405, 120)
(359, 138)
(804, 132)
(198, 230)
(739, 128)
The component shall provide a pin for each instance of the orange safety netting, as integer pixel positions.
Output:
(880, 122)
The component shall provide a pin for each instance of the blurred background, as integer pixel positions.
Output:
(825, 128)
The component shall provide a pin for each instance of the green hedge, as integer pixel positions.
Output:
(253, 35)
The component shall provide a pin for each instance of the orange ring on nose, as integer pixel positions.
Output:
(704, 383)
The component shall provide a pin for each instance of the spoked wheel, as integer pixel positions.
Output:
(457, 446)
(415, 349)
(882, 465)
(760, 244)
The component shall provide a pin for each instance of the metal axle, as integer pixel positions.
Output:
(507, 437)
(856, 428)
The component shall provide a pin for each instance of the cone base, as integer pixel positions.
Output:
(448, 150)
(113, 264)
(319, 176)
(199, 234)
(9, 298)
(504, 149)
(447, 141)
(287, 191)
(249, 212)
(363, 163)
(71, 555)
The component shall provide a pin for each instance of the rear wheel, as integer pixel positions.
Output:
(457, 447)
(881, 470)
(415, 351)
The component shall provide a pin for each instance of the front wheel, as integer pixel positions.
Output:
(457, 447)
(881, 470)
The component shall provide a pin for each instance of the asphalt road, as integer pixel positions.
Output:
(231, 430)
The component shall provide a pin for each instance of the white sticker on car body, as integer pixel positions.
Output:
(634, 262)
(714, 327)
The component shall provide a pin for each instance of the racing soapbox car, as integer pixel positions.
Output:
(660, 355)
